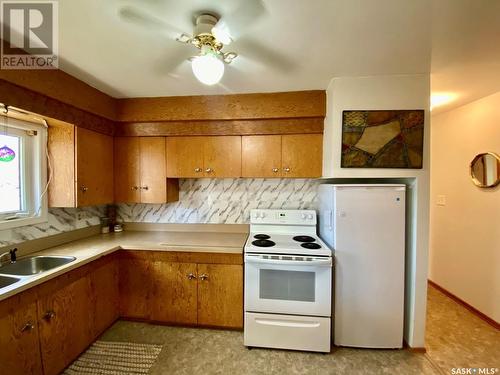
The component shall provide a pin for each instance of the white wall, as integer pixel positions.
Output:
(465, 233)
(389, 92)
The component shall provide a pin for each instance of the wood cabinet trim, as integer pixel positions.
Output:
(224, 107)
(309, 125)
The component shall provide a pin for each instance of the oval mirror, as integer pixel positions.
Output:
(485, 170)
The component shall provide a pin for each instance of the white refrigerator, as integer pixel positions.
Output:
(365, 226)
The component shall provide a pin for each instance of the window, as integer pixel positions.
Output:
(22, 173)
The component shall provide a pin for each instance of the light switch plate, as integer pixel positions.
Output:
(441, 200)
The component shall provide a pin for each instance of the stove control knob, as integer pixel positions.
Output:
(304, 216)
(256, 215)
(263, 215)
(310, 216)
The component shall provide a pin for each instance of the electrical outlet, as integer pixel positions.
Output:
(441, 200)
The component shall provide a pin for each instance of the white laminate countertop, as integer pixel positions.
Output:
(91, 248)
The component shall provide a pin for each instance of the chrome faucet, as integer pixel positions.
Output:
(12, 255)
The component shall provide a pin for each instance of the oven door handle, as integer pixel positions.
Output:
(317, 262)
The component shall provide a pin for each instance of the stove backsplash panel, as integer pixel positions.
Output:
(225, 201)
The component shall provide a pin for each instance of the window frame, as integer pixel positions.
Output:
(33, 173)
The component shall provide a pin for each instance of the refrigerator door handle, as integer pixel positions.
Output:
(330, 220)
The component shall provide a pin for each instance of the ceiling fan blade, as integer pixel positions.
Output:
(231, 27)
(145, 19)
(265, 55)
(168, 64)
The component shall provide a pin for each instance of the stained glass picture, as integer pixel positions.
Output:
(382, 139)
(10, 174)
(7, 154)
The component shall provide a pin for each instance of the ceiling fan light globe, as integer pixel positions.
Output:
(208, 69)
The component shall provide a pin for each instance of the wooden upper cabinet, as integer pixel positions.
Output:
(19, 342)
(185, 157)
(94, 168)
(261, 156)
(82, 165)
(222, 156)
(220, 296)
(127, 170)
(302, 155)
(153, 170)
(196, 157)
(140, 171)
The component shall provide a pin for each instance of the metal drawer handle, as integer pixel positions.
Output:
(28, 327)
(209, 170)
(191, 276)
(49, 315)
(197, 170)
(204, 276)
(84, 189)
(145, 187)
(134, 188)
(275, 170)
(286, 169)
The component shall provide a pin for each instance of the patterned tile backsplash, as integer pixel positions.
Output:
(59, 220)
(225, 201)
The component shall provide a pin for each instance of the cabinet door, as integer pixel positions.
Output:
(135, 286)
(185, 157)
(174, 292)
(153, 170)
(65, 324)
(220, 295)
(127, 170)
(104, 295)
(222, 156)
(19, 346)
(94, 168)
(261, 156)
(302, 155)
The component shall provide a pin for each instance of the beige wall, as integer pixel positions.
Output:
(389, 92)
(465, 233)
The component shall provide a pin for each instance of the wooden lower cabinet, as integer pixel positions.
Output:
(220, 295)
(19, 341)
(104, 295)
(135, 285)
(64, 321)
(48, 326)
(174, 292)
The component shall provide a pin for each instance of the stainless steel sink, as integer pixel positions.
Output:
(7, 280)
(34, 265)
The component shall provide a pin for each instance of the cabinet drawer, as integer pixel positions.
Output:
(287, 332)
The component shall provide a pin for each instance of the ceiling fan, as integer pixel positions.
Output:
(208, 66)
(211, 34)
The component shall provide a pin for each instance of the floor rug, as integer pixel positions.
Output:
(115, 358)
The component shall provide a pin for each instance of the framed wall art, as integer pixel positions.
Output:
(382, 139)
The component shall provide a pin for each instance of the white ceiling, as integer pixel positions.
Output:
(296, 45)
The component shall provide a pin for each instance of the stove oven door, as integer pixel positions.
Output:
(288, 284)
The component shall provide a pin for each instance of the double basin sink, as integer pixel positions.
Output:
(27, 267)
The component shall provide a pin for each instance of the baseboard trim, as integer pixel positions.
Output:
(460, 301)
(415, 349)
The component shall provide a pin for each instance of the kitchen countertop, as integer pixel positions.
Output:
(92, 248)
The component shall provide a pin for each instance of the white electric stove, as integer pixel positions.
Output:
(288, 282)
